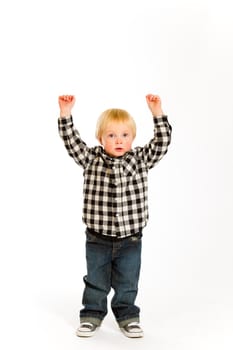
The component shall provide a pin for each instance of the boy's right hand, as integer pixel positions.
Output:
(66, 103)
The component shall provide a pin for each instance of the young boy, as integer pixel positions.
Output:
(115, 209)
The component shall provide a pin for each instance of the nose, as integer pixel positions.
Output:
(118, 140)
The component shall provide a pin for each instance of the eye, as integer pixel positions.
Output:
(111, 136)
(125, 134)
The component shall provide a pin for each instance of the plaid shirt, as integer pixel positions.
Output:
(115, 189)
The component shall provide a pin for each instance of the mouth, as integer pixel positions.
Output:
(119, 149)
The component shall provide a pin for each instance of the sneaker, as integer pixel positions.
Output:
(86, 329)
(132, 330)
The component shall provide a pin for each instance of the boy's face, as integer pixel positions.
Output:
(117, 139)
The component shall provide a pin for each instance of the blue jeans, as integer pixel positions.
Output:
(111, 263)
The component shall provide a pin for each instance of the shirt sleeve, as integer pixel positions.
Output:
(154, 151)
(75, 146)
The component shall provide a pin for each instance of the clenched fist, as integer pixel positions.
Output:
(154, 104)
(66, 103)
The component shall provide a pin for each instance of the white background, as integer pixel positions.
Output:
(111, 54)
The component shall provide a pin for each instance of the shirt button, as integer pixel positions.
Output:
(117, 214)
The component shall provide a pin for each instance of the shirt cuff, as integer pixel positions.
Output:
(65, 120)
(160, 118)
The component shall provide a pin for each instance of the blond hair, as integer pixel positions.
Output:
(114, 115)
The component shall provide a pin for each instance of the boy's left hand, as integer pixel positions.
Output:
(154, 104)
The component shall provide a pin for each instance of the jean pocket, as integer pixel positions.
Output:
(136, 238)
(90, 237)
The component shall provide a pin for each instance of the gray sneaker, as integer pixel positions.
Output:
(86, 329)
(132, 330)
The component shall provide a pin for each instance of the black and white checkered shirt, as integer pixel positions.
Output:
(115, 189)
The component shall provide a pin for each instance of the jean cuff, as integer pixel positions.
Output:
(123, 323)
(96, 321)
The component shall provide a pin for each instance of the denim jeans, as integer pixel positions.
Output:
(111, 263)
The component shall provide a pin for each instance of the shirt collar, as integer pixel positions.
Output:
(128, 161)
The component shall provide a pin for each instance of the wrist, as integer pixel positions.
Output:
(157, 114)
(65, 114)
